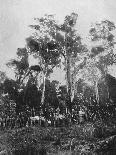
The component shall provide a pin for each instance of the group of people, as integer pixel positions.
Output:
(56, 120)
(12, 122)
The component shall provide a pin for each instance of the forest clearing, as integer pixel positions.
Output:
(40, 115)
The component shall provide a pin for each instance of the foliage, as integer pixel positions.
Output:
(2, 77)
(27, 138)
(78, 138)
(7, 107)
(103, 34)
(89, 86)
(101, 56)
(20, 64)
(72, 51)
(88, 83)
(43, 46)
(41, 42)
(50, 94)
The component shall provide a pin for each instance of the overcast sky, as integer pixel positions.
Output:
(16, 15)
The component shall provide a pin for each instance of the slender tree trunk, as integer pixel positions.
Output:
(108, 94)
(43, 90)
(73, 81)
(68, 74)
(97, 91)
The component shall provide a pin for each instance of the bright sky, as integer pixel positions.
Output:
(16, 15)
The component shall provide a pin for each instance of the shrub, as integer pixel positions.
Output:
(26, 138)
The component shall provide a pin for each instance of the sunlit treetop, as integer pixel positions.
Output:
(103, 31)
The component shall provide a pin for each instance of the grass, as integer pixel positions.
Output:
(73, 140)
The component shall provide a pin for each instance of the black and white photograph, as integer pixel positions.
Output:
(57, 77)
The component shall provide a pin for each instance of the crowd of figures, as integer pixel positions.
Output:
(13, 122)
(22, 120)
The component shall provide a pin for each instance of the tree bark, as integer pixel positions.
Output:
(68, 74)
(43, 90)
(97, 91)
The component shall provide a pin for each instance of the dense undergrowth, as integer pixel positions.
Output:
(86, 138)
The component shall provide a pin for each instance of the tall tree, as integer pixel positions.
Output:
(91, 76)
(52, 40)
(18, 89)
(102, 52)
(72, 50)
(101, 55)
(42, 45)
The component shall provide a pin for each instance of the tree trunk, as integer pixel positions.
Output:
(68, 77)
(97, 91)
(73, 81)
(43, 90)
(108, 94)
(68, 72)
